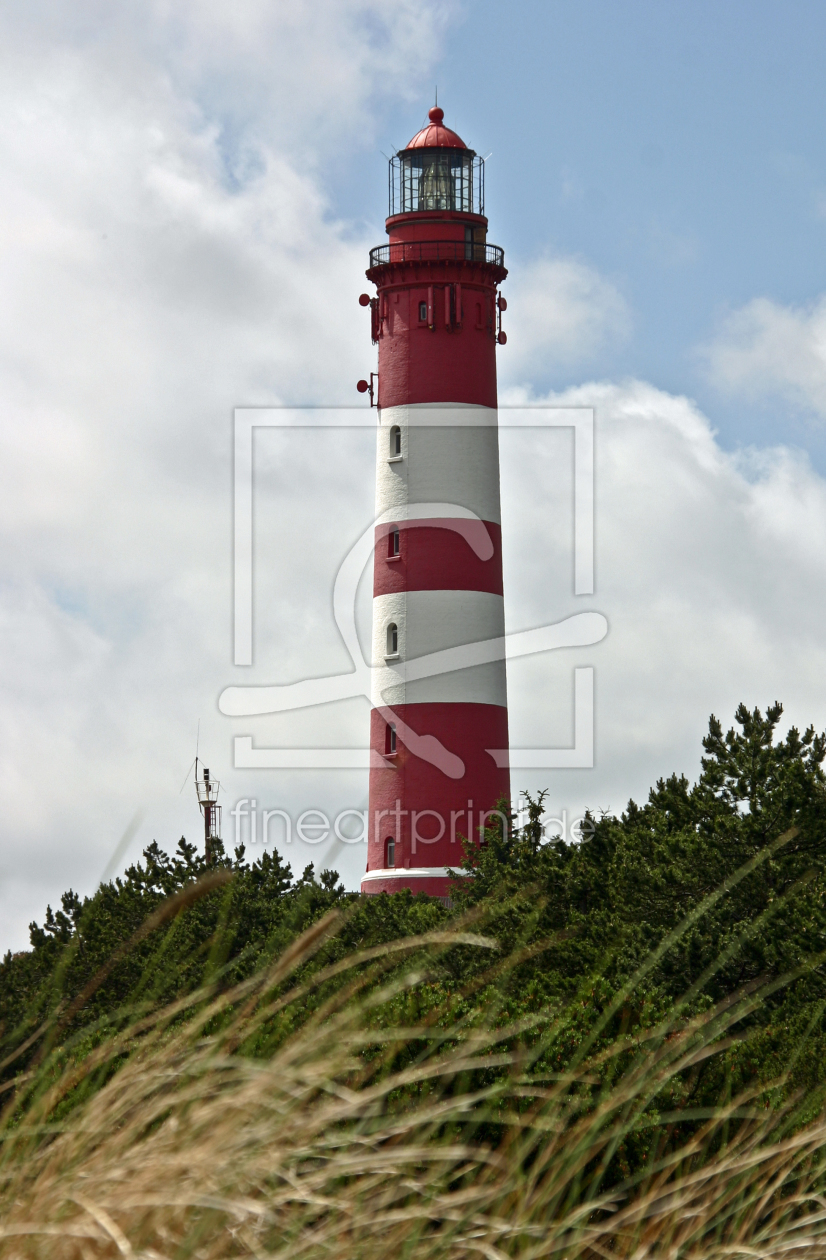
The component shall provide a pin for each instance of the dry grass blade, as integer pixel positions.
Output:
(359, 1136)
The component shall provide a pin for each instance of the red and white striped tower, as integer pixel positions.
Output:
(438, 551)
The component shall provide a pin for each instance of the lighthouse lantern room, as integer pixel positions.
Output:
(439, 721)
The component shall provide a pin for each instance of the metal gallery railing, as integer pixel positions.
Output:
(433, 251)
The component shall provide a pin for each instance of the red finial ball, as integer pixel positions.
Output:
(436, 114)
(364, 299)
(362, 387)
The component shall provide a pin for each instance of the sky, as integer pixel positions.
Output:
(188, 197)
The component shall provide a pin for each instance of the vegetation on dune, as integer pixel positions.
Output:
(615, 1046)
(729, 872)
(362, 1133)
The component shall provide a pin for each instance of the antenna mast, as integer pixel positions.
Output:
(208, 790)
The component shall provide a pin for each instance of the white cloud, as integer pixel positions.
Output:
(167, 252)
(561, 313)
(766, 348)
(710, 569)
(297, 77)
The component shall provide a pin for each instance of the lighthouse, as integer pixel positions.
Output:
(439, 693)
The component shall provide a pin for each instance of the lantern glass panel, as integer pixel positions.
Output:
(436, 179)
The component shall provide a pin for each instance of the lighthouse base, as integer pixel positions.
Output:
(433, 880)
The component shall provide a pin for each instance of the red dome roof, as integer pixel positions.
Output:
(435, 136)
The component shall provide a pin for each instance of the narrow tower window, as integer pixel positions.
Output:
(395, 441)
(392, 639)
(390, 846)
(423, 312)
(393, 544)
(390, 739)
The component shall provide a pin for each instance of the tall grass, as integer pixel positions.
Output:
(234, 1124)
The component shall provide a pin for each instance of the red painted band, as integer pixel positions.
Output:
(424, 359)
(434, 225)
(429, 801)
(436, 557)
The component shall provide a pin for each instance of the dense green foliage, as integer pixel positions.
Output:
(99, 951)
(729, 874)
(699, 894)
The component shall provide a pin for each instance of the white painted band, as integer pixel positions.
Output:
(417, 872)
(439, 415)
(467, 627)
(450, 454)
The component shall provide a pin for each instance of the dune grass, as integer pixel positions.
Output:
(236, 1124)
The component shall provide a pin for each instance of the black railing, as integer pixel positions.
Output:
(433, 251)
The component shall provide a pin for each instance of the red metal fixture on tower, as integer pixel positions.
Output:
(438, 551)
